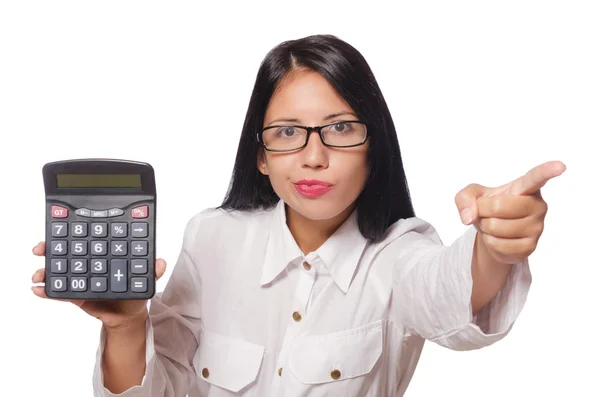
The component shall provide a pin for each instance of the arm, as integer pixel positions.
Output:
(489, 275)
(161, 348)
(436, 288)
(124, 359)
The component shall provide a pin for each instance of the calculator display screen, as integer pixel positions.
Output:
(99, 181)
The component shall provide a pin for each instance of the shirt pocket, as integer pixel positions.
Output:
(229, 363)
(342, 361)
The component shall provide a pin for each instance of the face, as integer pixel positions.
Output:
(306, 98)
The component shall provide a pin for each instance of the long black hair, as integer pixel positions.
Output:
(385, 197)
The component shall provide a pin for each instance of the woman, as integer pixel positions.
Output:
(315, 277)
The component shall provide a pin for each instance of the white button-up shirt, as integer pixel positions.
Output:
(245, 313)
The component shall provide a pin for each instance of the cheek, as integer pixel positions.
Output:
(352, 170)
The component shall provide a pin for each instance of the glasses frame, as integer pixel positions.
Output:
(310, 130)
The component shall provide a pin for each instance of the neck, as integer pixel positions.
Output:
(310, 234)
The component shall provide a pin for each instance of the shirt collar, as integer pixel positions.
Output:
(340, 253)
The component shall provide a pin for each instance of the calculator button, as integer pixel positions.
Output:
(139, 212)
(118, 248)
(139, 266)
(118, 275)
(78, 284)
(118, 230)
(99, 247)
(58, 247)
(59, 229)
(99, 229)
(79, 247)
(83, 212)
(58, 265)
(59, 212)
(58, 284)
(78, 265)
(139, 229)
(139, 284)
(79, 229)
(99, 214)
(98, 284)
(115, 212)
(99, 266)
(139, 248)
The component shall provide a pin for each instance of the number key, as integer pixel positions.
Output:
(79, 229)
(79, 266)
(59, 229)
(58, 247)
(58, 265)
(99, 247)
(99, 266)
(99, 229)
(78, 284)
(58, 283)
(79, 247)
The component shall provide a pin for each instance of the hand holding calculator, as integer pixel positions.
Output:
(100, 230)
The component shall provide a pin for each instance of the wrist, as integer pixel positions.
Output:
(134, 323)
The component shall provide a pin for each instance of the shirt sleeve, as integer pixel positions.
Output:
(432, 285)
(172, 330)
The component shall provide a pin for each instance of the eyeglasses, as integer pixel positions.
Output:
(287, 138)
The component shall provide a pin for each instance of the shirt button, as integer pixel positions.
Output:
(297, 316)
(306, 265)
(335, 374)
(279, 371)
(205, 372)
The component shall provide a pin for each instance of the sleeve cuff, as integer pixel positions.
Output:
(497, 318)
(142, 390)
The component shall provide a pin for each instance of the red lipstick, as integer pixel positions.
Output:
(312, 188)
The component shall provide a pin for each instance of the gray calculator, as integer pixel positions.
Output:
(100, 229)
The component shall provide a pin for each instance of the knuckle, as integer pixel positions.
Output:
(492, 242)
(529, 246)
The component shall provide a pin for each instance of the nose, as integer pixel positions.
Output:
(315, 154)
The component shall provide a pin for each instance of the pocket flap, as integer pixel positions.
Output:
(227, 362)
(336, 356)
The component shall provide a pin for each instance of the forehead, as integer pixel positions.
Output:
(305, 96)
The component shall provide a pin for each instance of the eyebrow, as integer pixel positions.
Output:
(326, 118)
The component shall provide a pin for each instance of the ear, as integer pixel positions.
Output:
(261, 163)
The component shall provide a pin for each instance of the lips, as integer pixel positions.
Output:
(312, 188)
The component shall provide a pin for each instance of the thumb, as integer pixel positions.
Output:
(466, 202)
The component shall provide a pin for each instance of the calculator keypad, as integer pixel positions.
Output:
(91, 252)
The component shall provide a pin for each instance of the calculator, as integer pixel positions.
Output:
(100, 229)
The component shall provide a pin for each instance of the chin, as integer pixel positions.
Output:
(318, 209)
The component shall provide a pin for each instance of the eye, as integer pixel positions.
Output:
(287, 131)
(340, 127)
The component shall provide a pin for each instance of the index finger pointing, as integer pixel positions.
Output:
(537, 177)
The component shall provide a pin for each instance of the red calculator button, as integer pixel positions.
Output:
(59, 212)
(140, 212)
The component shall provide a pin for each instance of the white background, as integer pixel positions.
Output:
(480, 91)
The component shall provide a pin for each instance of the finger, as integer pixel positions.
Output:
(466, 202)
(513, 249)
(511, 207)
(38, 276)
(161, 266)
(39, 249)
(512, 228)
(39, 291)
(537, 177)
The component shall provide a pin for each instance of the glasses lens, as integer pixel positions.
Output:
(284, 138)
(345, 133)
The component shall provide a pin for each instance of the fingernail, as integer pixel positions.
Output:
(465, 216)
